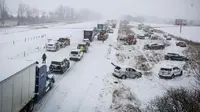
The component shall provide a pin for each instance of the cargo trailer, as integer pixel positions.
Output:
(19, 81)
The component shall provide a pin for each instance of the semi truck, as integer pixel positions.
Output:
(88, 35)
(23, 86)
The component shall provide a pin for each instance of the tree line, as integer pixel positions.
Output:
(29, 15)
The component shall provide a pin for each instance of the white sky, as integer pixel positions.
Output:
(189, 9)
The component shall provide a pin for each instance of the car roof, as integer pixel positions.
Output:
(60, 59)
(52, 42)
(86, 39)
(173, 53)
(76, 50)
(171, 64)
(82, 44)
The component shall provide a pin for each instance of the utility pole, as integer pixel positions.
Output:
(181, 28)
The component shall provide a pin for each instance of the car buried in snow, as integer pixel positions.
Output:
(154, 46)
(76, 55)
(175, 57)
(59, 65)
(126, 72)
(170, 72)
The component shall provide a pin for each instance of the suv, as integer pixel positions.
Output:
(181, 44)
(76, 55)
(170, 72)
(126, 72)
(154, 46)
(52, 45)
(85, 46)
(175, 57)
(87, 41)
(59, 66)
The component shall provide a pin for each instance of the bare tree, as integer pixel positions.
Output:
(3, 11)
(21, 13)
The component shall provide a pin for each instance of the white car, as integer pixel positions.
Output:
(53, 45)
(126, 72)
(87, 41)
(76, 55)
(170, 72)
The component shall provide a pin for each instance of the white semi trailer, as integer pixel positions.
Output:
(22, 84)
(17, 90)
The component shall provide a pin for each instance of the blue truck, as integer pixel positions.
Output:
(23, 85)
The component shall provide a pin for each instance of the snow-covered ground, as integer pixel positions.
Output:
(159, 25)
(149, 85)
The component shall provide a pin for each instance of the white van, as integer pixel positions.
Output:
(52, 45)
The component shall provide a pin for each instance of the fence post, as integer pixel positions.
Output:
(13, 42)
(24, 53)
(25, 39)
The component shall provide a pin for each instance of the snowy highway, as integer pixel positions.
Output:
(78, 89)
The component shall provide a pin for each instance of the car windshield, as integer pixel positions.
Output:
(61, 39)
(74, 52)
(166, 69)
(81, 45)
(173, 54)
(55, 63)
(117, 67)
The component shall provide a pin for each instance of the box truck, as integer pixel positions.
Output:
(22, 85)
(88, 35)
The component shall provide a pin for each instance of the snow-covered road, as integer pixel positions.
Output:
(79, 88)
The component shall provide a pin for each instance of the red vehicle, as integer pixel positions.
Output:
(131, 40)
(64, 41)
(181, 44)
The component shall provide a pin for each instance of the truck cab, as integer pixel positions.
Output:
(44, 81)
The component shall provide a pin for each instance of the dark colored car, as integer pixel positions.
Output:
(154, 47)
(64, 41)
(175, 57)
(84, 45)
(181, 44)
(59, 66)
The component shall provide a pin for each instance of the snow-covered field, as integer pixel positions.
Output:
(188, 32)
(149, 85)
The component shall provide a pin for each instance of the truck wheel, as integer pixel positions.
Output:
(173, 76)
(124, 77)
(31, 106)
(181, 73)
(62, 71)
(51, 84)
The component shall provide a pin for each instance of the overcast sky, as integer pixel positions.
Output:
(189, 9)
